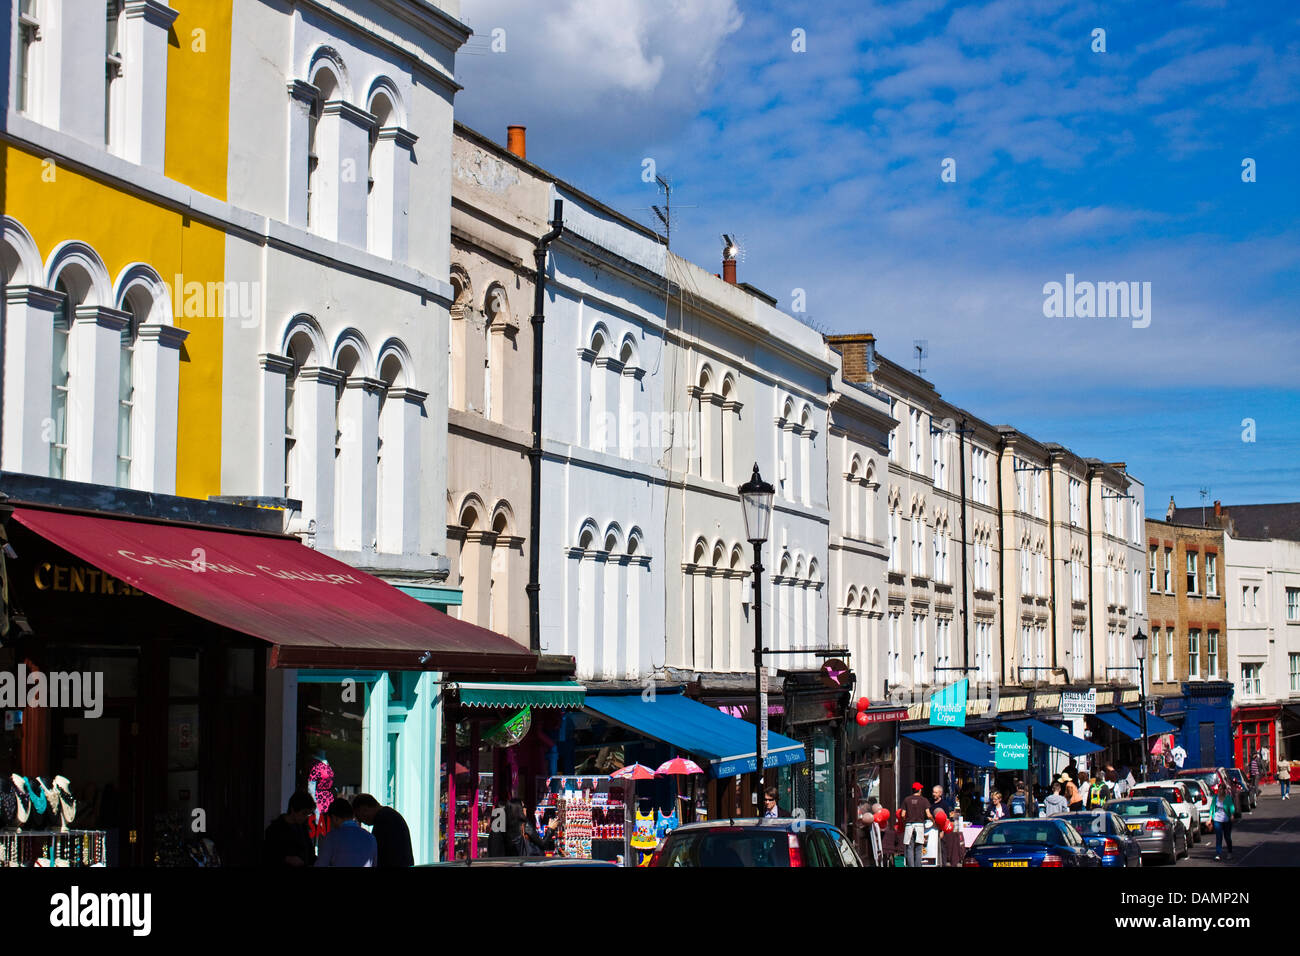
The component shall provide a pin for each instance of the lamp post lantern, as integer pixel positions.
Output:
(1140, 652)
(756, 500)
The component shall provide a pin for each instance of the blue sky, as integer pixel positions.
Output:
(1115, 166)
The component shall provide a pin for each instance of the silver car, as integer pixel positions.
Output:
(1159, 832)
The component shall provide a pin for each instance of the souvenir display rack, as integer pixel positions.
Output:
(593, 812)
(57, 848)
(483, 796)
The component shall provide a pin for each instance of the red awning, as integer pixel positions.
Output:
(313, 610)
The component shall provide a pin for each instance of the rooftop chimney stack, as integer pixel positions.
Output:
(516, 141)
(1218, 509)
(858, 355)
(729, 251)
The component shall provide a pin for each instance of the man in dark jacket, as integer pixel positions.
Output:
(287, 842)
(389, 829)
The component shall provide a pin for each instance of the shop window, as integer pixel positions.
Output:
(330, 744)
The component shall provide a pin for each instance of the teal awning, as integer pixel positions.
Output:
(520, 694)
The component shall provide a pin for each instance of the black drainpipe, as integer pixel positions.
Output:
(535, 452)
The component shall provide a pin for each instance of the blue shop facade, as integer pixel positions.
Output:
(1202, 714)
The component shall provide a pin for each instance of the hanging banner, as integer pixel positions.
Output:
(1011, 751)
(948, 706)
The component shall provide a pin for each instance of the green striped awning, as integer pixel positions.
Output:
(520, 694)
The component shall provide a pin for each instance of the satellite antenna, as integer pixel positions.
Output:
(922, 349)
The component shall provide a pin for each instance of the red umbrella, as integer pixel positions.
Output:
(678, 766)
(634, 771)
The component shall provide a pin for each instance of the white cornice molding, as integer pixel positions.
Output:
(151, 11)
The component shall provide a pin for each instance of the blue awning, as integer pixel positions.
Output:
(1054, 737)
(954, 744)
(725, 743)
(1121, 723)
(1155, 725)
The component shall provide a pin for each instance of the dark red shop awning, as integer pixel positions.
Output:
(313, 610)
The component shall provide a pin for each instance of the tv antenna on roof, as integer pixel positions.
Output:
(1204, 493)
(922, 349)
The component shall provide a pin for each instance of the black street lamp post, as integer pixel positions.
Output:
(756, 498)
(1140, 652)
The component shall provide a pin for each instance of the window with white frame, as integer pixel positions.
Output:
(1076, 651)
(918, 545)
(1022, 486)
(943, 649)
(1170, 638)
(1212, 654)
(1211, 574)
(939, 466)
(1155, 655)
(1037, 478)
(1153, 560)
(126, 401)
(1105, 513)
(895, 558)
(919, 674)
(1041, 562)
(915, 416)
(113, 75)
(895, 645)
(1295, 672)
(1191, 572)
(947, 574)
(61, 384)
(1293, 604)
(1119, 519)
(1252, 680)
(1194, 654)
(893, 444)
(938, 559)
(29, 27)
(1026, 649)
(1024, 569)
(1254, 603)
(1169, 570)
(1076, 501)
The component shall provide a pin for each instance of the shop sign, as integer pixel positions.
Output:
(1077, 704)
(1009, 705)
(1011, 751)
(948, 706)
(880, 716)
(761, 756)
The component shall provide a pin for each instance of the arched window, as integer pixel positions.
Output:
(319, 177)
(61, 382)
(301, 352)
(379, 218)
(113, 77)
(126, 385)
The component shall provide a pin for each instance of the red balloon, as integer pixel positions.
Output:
(863, 703)
(862, 719)
(940, 818)
(947, 827)
(882, 815)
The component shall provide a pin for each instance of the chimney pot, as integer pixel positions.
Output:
(729, 271)
(1218, 509)
(516, 141)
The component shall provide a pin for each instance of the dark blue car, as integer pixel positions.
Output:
(1106, 835)
(1041, 842)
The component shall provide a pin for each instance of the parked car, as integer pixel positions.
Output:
(756, 842)
(1176, 792)
(1212, 777)
(1107, 835)
(1041, 842)
(1200, 795)
(1246, 795)
(1154, 824)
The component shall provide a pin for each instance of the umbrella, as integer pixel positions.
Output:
(634, 771)
(678, 766)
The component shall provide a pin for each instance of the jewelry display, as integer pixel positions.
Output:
(25, 842)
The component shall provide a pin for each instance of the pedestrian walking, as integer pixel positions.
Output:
(287, 841)
(1284, 778)
(1098, 791)
(996, 809)
(1073, 795)
(391, 833)
(1295, 776)
(914, 814)
(1018, 805)
(1252, 770)
(1221, 811)
(1056, 803)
